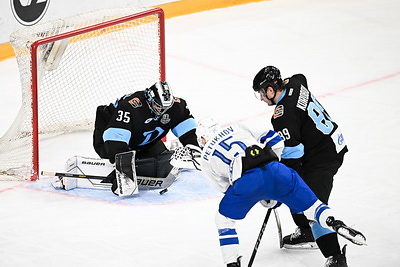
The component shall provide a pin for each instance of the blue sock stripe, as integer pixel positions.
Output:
(319, 231)
(226, 231)
(319, 211)
(229, 241)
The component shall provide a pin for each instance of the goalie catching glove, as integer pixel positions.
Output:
(187, 157)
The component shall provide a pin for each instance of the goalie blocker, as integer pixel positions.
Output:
(124, 181)
(127, 176)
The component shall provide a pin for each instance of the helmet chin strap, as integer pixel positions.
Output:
(272, 98)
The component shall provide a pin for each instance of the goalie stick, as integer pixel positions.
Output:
(175, 171)
(144, 182)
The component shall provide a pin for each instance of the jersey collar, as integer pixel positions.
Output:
(282, 95)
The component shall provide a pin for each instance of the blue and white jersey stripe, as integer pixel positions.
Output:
(274, 140)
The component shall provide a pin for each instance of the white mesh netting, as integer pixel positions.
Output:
(97, 67)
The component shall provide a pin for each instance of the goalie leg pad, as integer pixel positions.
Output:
(86, 166)
(65, 183)
(56, 182)
(164, 166)
(157, 166)
(69, 183)
(146, 167)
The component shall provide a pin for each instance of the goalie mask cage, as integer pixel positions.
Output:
(70, 66)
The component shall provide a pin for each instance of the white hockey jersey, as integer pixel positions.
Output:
(221, 156)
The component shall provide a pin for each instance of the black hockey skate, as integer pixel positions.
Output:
(235, 264)
(347, 232)
(337, 260)
(302, 238)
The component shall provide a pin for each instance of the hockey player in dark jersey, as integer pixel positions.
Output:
(314, 147)
(138, 122)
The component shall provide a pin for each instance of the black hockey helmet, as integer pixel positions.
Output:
(159, 97)
(267, 76)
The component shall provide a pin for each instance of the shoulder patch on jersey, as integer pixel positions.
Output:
(278, 111)
(176, 99)
(135, 102)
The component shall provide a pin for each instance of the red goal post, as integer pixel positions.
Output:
(70, 66)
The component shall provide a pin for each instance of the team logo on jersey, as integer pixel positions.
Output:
(165, 118)
(340, 139)
(255, 152)
(278, 112)
(148, 120)
(135, 102)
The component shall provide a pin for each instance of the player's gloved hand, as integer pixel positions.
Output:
(195, 153)
(257, 157)
(270, 204)
(187, 157)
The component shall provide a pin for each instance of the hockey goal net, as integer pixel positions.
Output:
(70, 66)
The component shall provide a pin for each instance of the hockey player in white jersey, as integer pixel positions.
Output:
(246, 168)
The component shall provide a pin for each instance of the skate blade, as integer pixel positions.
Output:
(357, 239)
(302, 246)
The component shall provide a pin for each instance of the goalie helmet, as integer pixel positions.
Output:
(206, 129)
(269, 76)
(159, 97)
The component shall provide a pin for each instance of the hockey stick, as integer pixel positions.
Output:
(144, 182)
(175, 173)
(253, 255)
(72, 175)
(278, 224)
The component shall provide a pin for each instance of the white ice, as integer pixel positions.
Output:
(348, 50)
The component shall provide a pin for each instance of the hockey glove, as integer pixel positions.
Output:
(270, 204)
(195, 153)
(257, 157)
(187, 157)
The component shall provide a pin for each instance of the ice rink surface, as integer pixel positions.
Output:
(349, 52)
